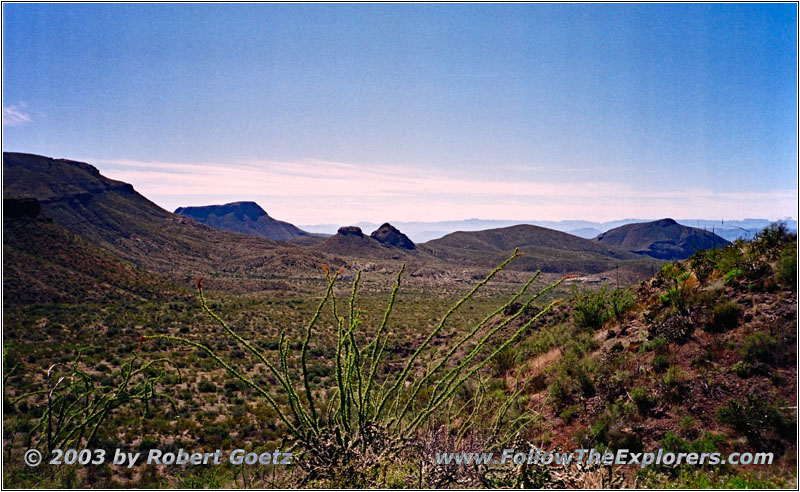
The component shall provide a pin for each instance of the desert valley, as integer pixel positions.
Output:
(130, 327)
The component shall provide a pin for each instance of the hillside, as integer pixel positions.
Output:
(243, 217)
(545, 249)
(701, 357)
(663, 239)
(111, 214)
(44, 263)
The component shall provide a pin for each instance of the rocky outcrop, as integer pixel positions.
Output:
(350, 231)
(388, 235)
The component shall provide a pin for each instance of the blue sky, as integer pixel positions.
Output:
(341, 113)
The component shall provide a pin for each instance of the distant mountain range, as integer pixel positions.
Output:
(231, 241)
(420, 232)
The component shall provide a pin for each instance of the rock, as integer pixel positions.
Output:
(350, 231)
(388, 235)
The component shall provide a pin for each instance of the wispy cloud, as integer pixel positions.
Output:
(320, 191)
(16, 115)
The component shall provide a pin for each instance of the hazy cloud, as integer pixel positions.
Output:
(319, 191)
(16, 115)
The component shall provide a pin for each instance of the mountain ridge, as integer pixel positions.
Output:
(113, 215)
(421, 231)
(663, 239)
(545, 249)
(245, 217)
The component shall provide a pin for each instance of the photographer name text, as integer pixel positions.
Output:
(129, 459)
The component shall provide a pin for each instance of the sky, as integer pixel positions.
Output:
(326, 113)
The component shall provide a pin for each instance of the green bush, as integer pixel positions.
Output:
(504, 361)
(731, 257)
(206, 386)
(733, 275)
(673, 443)
(590, 310)
(560, 391)
(724, 317)
(742, 369)
(570, 413)
(619, 302)
(677, 281)
(655, 344)
(760, 347)
(772, 236)
(576, 371)
(641, 397)
(787, 266)
(674, 384)
(660, 363)
(703, 263)
(755, 416)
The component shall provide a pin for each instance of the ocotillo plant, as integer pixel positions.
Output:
(76, 405)
(367, 420)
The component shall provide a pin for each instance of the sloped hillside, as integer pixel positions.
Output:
(663, 239)
(702, 357)
(112, 215)
(243, 217)
(44, 263)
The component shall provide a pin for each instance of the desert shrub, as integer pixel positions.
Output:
(724, 317)
(559, 391)
(589, 309)
(759, 347)
(656, 344)
(608, 429)
(772, 236)
(569, 413)
(734, 274)
(744, 369)
(641, 397)
(538, 382)
(731, 258)
(787, 266)
(620, 301)
(614, 386)
(581, 344)
(319, 371)
(676, 328)
(574, 368)
(703, 263)
(674, 384)
(754, 417)
(206, 386)
(660, 363)
(75, 405)
(680, 285)
(505, 361)
(673, 443)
